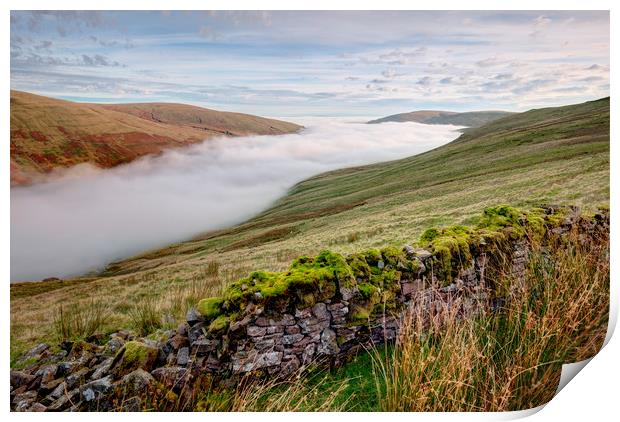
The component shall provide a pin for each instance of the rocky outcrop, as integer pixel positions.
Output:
(321, 311)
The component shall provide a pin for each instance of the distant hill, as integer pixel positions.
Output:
(47, 133)
(438, 117)
(557, 155)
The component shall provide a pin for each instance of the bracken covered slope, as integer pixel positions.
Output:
(47, 133)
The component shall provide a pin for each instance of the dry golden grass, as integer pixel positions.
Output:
(499, 361)
(511, 360)
(348, 210)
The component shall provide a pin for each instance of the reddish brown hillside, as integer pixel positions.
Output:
(47, 133)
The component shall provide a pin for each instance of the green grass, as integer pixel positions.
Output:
(556, 155)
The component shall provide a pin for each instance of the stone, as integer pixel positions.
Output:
(423, 254)
(132, 404)
(65, 400)
(182, 329)
(102, 370)
(320, 312)
(292, 329)
(254, 331)
(96, 389)
(204, 347)
(380, 264)
(276, 329)
(290, 365)
(328, 345)
(47, 373)
(37, 407)
(173, 378)
(312, 325)
(28, 396)
(308, 353)
(36, 351)
(46, 387)
(115, 344)
(134, 355)
(76, 378)
(178, 341)
(348, 293)
(137, 382)
(19, 378)
(193, 316)
(291, 338)
(254, 361)
(183, 356)
(303, 313)
(59, 390)
(410, 288)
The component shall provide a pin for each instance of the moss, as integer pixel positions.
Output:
(360, 313)
(133, 355)
(392, 256)
(210, 308)
(359, 267)
(373, 256)
(367, 291)
(312, 279)
(221, 323)
(451, 247)
(387, 280)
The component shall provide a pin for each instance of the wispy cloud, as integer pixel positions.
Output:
(303, 63)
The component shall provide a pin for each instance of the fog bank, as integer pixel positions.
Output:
(86, 217)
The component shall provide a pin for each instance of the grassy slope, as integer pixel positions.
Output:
(48, 133)
(558, 155)
(437, 117)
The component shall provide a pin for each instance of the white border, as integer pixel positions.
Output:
(592, 395)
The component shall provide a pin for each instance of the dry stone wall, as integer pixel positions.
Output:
(281, 328)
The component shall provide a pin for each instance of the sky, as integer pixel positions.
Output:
(293, 64)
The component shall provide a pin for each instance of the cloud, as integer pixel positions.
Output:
(490, 62)
(43, 45)
(391, 74)
(542, 21)
(425, 81)
(183, 192)
(98, 60)
(281, 61)
(37, 60)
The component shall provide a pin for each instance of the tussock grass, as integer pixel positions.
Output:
(146, 317)
(502, 360)
(510, 360)
(80, 320)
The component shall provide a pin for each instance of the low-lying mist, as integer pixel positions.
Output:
(84, 217)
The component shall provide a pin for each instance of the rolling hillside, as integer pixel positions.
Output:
(47, 133)
(437, 117)
(554, 155)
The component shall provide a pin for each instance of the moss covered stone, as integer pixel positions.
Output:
(210, 308)
(133, 355)
(221, 323)
(375, 274)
